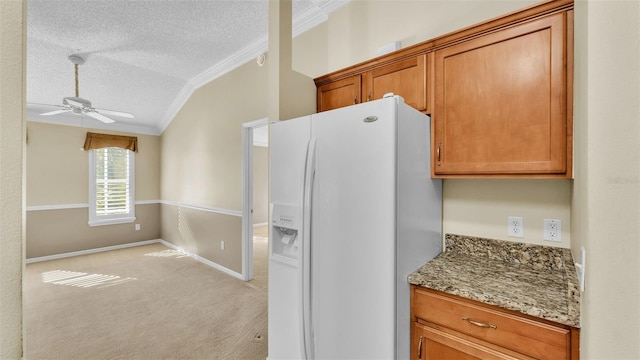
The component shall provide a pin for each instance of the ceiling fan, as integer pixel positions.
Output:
(79, 106)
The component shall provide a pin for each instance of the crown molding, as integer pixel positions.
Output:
(303, 22)
(232, 62)
(315, 15)
(176, 105)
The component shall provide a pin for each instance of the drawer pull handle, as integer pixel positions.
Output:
(479, 324)
(420, 348)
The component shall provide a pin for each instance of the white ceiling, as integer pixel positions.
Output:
(144, 57)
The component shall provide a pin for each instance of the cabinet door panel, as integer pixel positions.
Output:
(339, 93)
(406, 78)
(500, 102)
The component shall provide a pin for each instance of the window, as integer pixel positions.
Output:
(111, 186)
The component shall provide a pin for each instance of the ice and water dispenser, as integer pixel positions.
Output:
(286, 221)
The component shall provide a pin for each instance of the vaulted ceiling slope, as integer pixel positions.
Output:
(144, 57)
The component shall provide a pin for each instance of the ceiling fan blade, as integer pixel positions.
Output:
(100, 117)
(72, 102)
(115, 113)
(48, 105)
(55, 112)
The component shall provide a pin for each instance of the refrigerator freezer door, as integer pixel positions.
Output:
(353, 232)
(419, 213)
(287, 150)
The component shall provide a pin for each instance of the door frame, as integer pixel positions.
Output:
(247, 195)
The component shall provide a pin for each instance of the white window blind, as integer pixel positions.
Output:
(111, 186)
(112, 181)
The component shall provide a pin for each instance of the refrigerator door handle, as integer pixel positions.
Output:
(306, 320)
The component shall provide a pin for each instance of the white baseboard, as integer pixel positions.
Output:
(91, 251)
(203, 260)
(261, 224)
(139, 243)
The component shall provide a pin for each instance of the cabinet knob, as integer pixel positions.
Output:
(355, 100)
(438, 153)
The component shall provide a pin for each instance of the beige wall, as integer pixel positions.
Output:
(202, 157)
(606, 191)
(260, 184)
(12, 139)
(479, 207)
(57, 173)
(355, 31)
(58, 167)
(290, 93)
(201, 232)
(51, 232)
(201, 148)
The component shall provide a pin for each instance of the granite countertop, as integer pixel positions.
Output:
(536, 280)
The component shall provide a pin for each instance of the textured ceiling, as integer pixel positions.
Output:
(144, 57)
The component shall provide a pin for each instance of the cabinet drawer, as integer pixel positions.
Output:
(536, 339)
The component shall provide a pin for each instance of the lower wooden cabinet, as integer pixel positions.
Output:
(449, 327)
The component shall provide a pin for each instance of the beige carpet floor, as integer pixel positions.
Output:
(146, 302)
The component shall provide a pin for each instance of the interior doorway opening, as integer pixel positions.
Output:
(255, 142)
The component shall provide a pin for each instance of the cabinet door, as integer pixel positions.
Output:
(435, 344)
(339, 93)
(500, 103)
(407, 78)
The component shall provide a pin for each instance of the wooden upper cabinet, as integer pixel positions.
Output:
(339, 93)
(499, 93)
(500, 103)
(407, 78)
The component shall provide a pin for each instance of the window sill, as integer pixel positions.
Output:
(113, 221)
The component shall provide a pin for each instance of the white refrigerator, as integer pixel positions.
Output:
(353, 212)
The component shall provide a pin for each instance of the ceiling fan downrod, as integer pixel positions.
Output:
(76, 60)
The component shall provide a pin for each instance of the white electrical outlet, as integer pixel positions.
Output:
(137, 227)
(222, 245)
(553, 230)
(515, 226)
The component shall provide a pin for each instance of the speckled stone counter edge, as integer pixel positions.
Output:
(536, 256)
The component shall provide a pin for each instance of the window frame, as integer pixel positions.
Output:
(99, 220)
